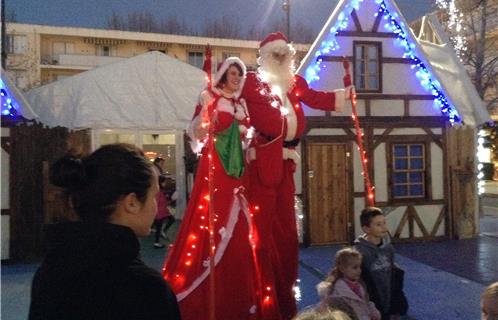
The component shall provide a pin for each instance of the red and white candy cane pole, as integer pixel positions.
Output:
(211, 187)
(359, 136)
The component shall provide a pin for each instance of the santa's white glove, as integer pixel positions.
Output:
(240, 114)
(350, 91)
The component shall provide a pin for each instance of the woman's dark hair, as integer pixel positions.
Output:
(223, 78)
(96, 182)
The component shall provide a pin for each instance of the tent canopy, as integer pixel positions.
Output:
(450, 70)
(150, 91)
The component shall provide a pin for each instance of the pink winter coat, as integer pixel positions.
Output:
(162, 206)
(364, 309)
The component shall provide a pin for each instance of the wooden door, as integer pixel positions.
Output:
(328, 196)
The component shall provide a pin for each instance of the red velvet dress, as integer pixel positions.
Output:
(187, 266)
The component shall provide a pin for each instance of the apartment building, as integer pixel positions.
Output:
(39, 54)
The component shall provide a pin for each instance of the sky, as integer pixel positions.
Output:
(94, 13)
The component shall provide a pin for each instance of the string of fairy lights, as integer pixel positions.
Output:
(455, 25)
(403, 40)
(8, 102)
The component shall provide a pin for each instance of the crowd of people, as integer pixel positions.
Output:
(236, 252)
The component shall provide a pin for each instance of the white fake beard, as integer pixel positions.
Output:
(277, 75)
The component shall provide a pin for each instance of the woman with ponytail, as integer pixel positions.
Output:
(92, 268)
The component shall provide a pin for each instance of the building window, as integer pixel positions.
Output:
(16, 44)
(196, 59)
(367, 68)
(106, 50)
(409, 170)
(59, 48)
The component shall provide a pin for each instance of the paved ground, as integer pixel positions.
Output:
(443, 279)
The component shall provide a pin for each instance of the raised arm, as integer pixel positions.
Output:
(328, 101)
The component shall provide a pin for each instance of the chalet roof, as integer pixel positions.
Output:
(149, 91)
(450, 69)
(439, 59)
(22, 105)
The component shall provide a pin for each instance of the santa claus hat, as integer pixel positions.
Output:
(273, 40)
(224, 67)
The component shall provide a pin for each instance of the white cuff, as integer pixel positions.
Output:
(340, 100)
(291, 154)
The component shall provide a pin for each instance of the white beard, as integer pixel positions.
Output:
(280, 77)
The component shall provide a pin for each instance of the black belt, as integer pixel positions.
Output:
(291, 144)
(287, 144)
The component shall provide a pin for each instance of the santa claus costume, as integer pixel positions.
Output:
(273, 161)
(187, 267)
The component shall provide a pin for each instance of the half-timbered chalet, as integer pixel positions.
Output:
(418, 112)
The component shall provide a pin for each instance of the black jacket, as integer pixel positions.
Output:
(92, 271)
(376, 271)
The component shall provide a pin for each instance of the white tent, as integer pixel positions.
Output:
(450, 70)
(148, 94)
(149, 91)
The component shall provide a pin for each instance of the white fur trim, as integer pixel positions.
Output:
(340, 100)
(240, 112)
(270, 46)
(291, 154)
(225, 105)
(291, 119)
(224, 68)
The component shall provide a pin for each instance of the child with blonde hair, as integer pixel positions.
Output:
(344, 283)
(318, 313)
(489, 302)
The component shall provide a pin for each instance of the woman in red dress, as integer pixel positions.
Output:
(188, 266)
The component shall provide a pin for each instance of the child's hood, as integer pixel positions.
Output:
(362, 241)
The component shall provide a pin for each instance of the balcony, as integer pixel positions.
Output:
(77, 61)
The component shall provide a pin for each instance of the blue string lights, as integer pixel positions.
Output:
(7, 101)
(425, 77)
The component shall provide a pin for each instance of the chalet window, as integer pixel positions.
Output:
(196, 59)
(16, 44)
(367, 68)
(408, 170)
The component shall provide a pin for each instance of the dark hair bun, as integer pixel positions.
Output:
(68, 172)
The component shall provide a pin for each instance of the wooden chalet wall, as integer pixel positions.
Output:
(32, 146)
(463, 197)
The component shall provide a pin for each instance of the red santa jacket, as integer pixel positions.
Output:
(264, 107)
(274, 125)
